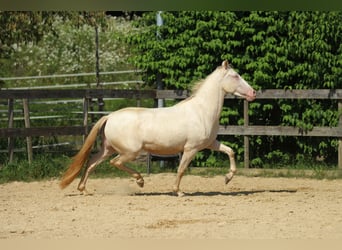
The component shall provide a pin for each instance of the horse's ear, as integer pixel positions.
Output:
(225, 64)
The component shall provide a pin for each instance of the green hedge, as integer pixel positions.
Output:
(271, 50)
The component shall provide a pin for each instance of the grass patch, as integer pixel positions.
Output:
(46, 166)
(42, 167)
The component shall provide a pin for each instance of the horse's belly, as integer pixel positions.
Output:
(163, 147)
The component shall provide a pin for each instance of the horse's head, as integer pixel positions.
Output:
(233, 83)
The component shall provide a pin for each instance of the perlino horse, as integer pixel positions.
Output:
(188, 127)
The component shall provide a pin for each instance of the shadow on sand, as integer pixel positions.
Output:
(236, 193)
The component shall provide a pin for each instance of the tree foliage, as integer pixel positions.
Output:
(282, 50)
(63, 43)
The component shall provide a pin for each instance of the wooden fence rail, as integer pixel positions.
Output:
(245, 130)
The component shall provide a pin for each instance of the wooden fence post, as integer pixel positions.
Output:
(10, 125)
(28, 125)
(246, 138)
(340, 139)
(85, 117)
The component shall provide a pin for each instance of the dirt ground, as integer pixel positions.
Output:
(247, 208)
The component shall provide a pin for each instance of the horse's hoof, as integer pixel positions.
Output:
(81, 188)
(85, 192)
(180, 194)
(88, 194)
(140, 182)
(176, 192)
(228, 178)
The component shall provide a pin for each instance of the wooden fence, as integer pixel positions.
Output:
(87, 94)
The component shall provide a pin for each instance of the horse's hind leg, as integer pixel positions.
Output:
(104, 153)
(119, 161)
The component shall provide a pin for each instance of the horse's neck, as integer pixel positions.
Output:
(210, 98)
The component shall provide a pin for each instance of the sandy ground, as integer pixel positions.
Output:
(247, 208)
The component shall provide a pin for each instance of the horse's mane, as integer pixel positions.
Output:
(197, 86)
(193, 91)
(200, 83)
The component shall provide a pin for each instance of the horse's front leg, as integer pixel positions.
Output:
(218, 146)
(184, 163)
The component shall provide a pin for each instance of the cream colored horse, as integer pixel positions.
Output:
(187, 127)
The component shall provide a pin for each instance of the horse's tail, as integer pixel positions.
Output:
(81, 157)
